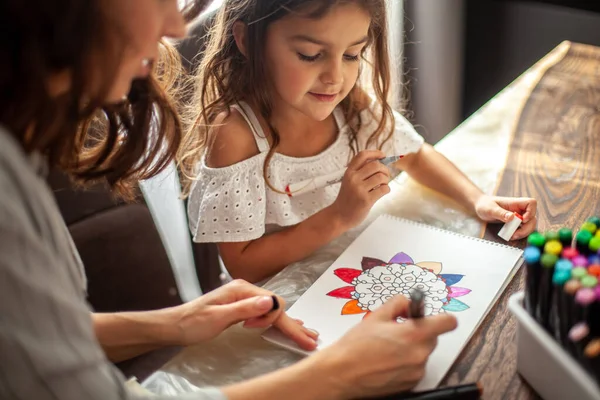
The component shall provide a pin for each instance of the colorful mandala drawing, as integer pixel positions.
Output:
(378, 281)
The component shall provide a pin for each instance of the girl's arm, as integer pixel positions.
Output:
(364, 183)
(432, 169)
(435, 171)
(262, 258)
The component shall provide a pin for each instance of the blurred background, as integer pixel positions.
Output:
(452, 56)
(460, 53)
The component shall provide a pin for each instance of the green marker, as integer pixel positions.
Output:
(549, 260)
(579, 273)
(589, 226)
(589, 281)
(594, 244)
(552, 235)
(536, 239)
(582, 240)
(565, 235)
(595, 221)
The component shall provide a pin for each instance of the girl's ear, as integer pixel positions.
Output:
(239, 34)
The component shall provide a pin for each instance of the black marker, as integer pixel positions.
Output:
(546, 290)
(532, 255)
(472, 391)
(416, 309)
(579, 335)
(275, 304)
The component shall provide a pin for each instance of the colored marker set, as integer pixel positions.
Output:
(562, 292)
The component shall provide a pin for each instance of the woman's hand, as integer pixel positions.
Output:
(494, 208)
(380, 355)
(207, 316)
(363, 184)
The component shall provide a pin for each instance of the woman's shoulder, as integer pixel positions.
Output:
(230, 141)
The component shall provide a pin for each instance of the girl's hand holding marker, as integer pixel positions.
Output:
(307, 185)
(363, 183)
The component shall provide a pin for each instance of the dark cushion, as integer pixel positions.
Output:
(76, 204)
(126, 264)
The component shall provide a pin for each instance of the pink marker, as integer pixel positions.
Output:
(570, 253)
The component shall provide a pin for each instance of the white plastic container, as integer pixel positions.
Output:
(544, 364)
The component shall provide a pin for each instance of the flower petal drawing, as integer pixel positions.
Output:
(455, 306)
(352, 307)
(368, 263)
(451, 279)
(376, 282)
(347, 274)
(457, 291)
(401, 258)
(342, 293)
(433, 266)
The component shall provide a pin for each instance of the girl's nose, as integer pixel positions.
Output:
(333, 73)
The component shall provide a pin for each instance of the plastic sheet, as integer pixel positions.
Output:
(478, 147)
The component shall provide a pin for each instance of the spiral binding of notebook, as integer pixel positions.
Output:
(445, 231)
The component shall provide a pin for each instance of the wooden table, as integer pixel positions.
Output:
(537, 138)
(553, 157)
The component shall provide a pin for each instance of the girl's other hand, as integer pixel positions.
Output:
(495, 208)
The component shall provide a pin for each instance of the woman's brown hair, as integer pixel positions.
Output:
(226, 77)
(83, 136)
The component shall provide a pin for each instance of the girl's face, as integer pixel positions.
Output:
(314, 63)
(140, 25)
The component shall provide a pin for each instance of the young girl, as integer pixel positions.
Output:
(281, 102)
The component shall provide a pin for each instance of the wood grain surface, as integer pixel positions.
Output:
(554, 156)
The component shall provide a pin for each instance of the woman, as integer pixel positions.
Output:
(66, 65)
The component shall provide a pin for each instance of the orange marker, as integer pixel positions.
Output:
(594, 269)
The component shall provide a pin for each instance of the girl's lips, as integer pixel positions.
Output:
(324, 97)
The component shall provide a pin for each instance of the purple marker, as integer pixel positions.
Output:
(593, 259)
(580, 261)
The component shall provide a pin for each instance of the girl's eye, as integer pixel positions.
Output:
(306, 58)
(349, 57)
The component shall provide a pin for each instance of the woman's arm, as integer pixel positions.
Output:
(126, 335)
(129, 334)
(376, 357)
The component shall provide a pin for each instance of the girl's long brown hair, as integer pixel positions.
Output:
(225, 77)
(120, 143)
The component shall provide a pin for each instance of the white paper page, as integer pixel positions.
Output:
(486, 268)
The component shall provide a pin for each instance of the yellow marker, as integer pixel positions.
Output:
(589, 226)
(553, 247)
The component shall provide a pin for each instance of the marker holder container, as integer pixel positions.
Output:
(543, 363)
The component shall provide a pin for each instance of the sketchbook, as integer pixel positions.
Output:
(459, 274)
